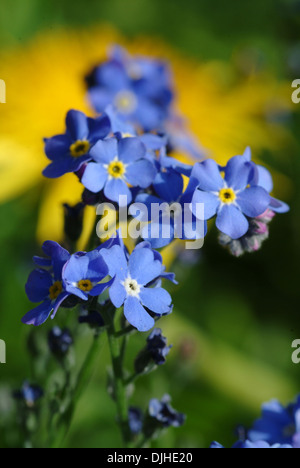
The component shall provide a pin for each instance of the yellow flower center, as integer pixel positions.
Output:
(55, 290)
(85, 285)
(79, 148)
(116, 169)
(126, 102)
(227, 195)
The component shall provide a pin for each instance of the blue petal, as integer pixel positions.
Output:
(208, 176)
(116, 188)
(77, 292)
(159, 233)
(39, 315)
(248, 154)
(100, 288)
(253, 201)
(231, 221)
(149, 201)
(193, 228)
(117, 293)
(149, 115)
(168, 186)
(237, 173)
(153, 142)
(42, 262)
(142, 266)
(278, 206)
(97, 267)
(105, 152)
(116, 261)
(157, 300)
(131, 149)
(99, 128)
(137, 315)
(171, 163)
(38, 285)
(113, 76)
(263, 178)
(57, 147)
(211, 203)
(75, 270)
(94, 177)
(59, 257)
(117, 124)
(100, 98)
(64, 166)
(77, 125)
(58, 303)
(140, 173)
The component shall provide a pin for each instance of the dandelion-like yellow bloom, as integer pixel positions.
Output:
(45, 79)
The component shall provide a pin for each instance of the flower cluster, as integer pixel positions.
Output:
(133, 281)
(124, 157)
(139, 88)
(117, 162)
(279, 427)
(135, 169)
(243, 194)
(279, 424)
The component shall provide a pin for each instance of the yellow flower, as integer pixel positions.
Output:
(45, 79)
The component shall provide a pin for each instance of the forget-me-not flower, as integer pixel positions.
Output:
(118, 163)
(69, 152)
(232, 199)
(134, 286)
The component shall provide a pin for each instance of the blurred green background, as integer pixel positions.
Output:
(235, 319)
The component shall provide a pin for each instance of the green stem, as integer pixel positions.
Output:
(119, 386)
(65, 419)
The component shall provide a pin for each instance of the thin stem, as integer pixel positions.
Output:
(65, 419)
(125, 332)
(117, 355)
(132, 379)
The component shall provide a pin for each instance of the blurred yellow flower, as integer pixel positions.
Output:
(45, 79)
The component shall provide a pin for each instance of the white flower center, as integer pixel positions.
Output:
(132, 287)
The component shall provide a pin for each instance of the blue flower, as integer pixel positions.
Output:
(117, 164)
(29, 394)
(170, 213)
(46, 286)
(59, 341)
(131, 285)
(70, 151)
(278, 424)
(138, 87)
(230, 198)
(135, 420)
(164, 414)
(84, 273)
(157, 347)
(261, 176)
(252, 445)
